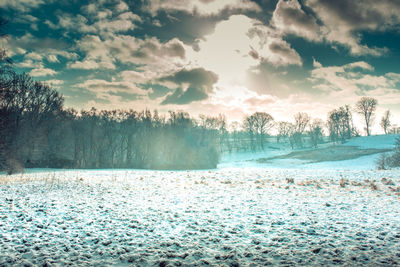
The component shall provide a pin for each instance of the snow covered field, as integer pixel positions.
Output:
(288, 212)
(230, 216)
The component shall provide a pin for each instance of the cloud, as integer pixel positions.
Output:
(103, 25)
(185, 96)
(38, 48)
(42, 72)
(289, 17)
(202, 7)
(150, 53)
(192, 85)
(344, 20)
(104, 89)
(30, 42)
(122, 6)
(350, 81)
(244, 43)
(21, 5)
(34, 56)
(337, 22)
(52, 58)
(54, 82)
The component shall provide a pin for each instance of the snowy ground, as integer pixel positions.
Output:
(286, 213)
(231, 216)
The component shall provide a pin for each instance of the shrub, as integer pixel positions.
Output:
(389, 161)
(381, 162)
(14, 166)
(394, 158)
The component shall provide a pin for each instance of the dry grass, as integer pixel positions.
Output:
(290, 180)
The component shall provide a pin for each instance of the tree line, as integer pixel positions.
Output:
(37, 131)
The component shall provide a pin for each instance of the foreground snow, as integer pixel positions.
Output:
(234, 216)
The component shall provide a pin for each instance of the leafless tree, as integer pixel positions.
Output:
(259, 124)
(366, 107)
(316, 132)
(340, 124)
(385, 121)
(284, 130)
(301, 121)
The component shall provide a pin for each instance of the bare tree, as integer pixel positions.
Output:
(385, 121)
(366, 107)
(259, 124)
(340, 124)
(249, 127)
(284, 129)
(316, 132)
(301, 122)
(263, 123)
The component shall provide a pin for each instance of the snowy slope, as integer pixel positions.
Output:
(243, 160)
(375, 141)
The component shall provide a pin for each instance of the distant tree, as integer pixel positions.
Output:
(340, 124)
(259, 124)
(366, 107)
(263, 122)
(234, 136)
(385, 121)
(284, 129)
(218, 126)
(316, 132)
(250, 129)
(302, 120)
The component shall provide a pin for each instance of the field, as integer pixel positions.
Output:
(228, 216)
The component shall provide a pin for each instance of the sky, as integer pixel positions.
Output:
(233, 57)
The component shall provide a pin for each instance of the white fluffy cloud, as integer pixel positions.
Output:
(105, 89)
(200, 7)
(21, 5)
(42, 72)
(153, 55)
(348, 82)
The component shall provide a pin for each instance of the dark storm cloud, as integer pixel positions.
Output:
(280, 49)
(181, 97)
(196, 77)
(200, 83)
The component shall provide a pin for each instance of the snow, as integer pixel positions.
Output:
(232, 216)
(319, 214)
